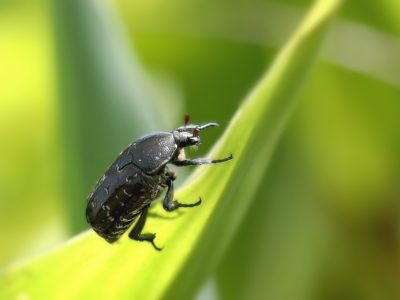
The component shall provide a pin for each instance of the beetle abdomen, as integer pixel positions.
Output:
(114, 222)
(119, 197)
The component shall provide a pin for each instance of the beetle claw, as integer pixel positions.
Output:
(155, 246)
(197, 203)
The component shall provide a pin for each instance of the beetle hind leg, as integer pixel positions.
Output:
(136, 233)
(170, 204)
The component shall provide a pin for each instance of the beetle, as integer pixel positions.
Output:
(137, 177)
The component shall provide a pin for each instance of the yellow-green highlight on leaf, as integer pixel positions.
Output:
(88, 268)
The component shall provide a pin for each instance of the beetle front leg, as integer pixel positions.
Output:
(200, 161)
(136, 233)
(170, 204)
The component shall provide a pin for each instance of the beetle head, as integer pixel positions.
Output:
(188, 135)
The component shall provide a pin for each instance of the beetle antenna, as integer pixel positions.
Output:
(187, 119)
(211, 124)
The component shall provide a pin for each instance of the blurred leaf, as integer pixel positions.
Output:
(87, 267)
(325, 222)
(253, 24)
(279, 247)
(383, 15)
(351, 138)
(351, 144)
(28, 153)
(105, 97)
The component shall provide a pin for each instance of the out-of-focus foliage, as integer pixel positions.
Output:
(325, 222)
(328, 225)
(253, 134)
(30, 214)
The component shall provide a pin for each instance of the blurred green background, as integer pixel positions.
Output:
(81, 79)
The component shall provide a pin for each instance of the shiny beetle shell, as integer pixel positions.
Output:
(137, 177)
(129, 184)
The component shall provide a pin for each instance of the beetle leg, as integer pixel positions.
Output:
(200, 161)
(170, 204)
(136, 233)
(171, 175)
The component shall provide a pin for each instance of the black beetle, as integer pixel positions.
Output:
(137, 177)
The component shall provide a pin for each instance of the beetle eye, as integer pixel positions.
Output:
(195, 132)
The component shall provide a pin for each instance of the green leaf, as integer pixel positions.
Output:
(194, 239)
